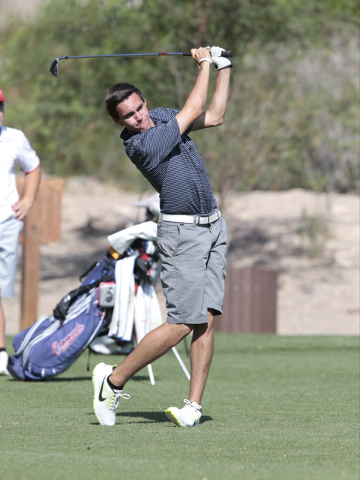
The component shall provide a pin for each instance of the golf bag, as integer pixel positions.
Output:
(53, 343)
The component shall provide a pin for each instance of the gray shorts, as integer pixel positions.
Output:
(9, 233)
(193, 269)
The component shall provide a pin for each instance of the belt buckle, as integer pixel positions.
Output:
(216, 215)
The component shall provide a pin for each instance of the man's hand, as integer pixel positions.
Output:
(21, 208)
(201, 55)
(219, 61)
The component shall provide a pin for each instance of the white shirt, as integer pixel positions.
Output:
(14, 148)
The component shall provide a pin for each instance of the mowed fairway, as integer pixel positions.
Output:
(274, 408)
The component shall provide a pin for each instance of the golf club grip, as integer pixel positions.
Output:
(225, 53)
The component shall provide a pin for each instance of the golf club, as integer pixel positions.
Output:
(54, 69)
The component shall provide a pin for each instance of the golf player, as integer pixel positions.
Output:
(14, 149)
(191, 232)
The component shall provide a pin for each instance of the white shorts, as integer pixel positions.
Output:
(9, 234)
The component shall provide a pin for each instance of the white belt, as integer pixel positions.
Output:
(191, 218)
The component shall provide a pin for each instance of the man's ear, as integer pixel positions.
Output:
(116, 120)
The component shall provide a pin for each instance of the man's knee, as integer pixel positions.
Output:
(210, 318)
(179, 329)
(204, 328)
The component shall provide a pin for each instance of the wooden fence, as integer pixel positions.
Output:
(249, 303)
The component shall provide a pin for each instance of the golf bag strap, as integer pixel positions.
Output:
(61, 309)
(87, 271)
(108, 257)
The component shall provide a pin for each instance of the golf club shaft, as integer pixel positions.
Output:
(185, 54)
(54, 65)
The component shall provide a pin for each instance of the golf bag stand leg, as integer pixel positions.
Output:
(149, 367)
(151, 375)
(179, 359)
(182, 365)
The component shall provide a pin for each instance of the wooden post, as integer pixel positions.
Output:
(30, 266)
(41, 226)
(250, 301)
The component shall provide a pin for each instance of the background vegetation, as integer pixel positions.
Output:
(293, 114)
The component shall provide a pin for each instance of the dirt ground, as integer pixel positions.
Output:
(316, 296)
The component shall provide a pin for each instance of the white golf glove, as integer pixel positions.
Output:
(218, 61)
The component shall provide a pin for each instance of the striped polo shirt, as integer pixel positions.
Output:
(172, 164)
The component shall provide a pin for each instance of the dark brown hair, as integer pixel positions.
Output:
(117, 94)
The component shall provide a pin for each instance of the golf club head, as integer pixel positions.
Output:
(54, 69)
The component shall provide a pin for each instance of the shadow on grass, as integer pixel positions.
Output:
(137, 378)
(50, 380)
(155, 417)
(148, 417)
(69, 379)
(140, 378)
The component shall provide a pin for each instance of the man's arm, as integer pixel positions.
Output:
(215, 114)
(32, 181)
(195, 103)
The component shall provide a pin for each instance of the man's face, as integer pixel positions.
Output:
(133, 114)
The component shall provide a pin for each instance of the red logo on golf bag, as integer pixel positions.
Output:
(60, 347)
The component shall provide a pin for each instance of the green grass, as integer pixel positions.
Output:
(274, 408)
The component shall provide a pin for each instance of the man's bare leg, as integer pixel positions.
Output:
(3, 355)
(201, 353)
(152, 346)
(2, 327)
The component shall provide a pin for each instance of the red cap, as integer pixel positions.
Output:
(2, 98)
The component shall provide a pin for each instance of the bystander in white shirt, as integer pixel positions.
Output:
(14, 149)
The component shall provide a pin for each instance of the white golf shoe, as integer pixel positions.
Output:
(4, 358)
(105, 399)
(188, 416)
